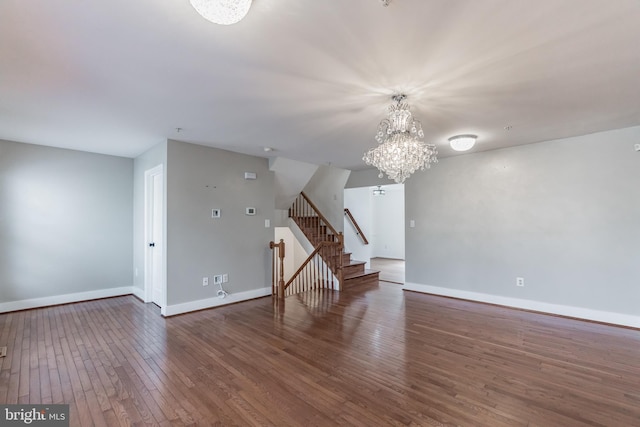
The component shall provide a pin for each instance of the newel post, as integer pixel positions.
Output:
(281, 269)
(341, 250)
(278, 269)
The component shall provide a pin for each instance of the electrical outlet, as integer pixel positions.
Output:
(519, 281)
(217, 279)
(205, 281)
(225, 278)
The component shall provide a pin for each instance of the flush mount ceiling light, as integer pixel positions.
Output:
(223, 12)
(462, 142)
(378, 191)
(400, 151)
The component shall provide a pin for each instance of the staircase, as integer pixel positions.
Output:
(317, 230)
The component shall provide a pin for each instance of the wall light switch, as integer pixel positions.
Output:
(250, 175)
(215, 213)
(412, 223)
(267, 223)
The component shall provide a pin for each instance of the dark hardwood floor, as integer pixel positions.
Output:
(370, 356)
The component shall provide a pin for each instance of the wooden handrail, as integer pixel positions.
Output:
(323, 267)
(306, 261)
(357, 227)
(317, 211)
(310, 272)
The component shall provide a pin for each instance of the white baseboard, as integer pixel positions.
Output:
(64, 299)
(562, 310)
(172, 310)
(138, 292)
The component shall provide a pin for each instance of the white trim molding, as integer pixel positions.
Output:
(64, 299)
(543, 307)
(186, 307)
(138, 292)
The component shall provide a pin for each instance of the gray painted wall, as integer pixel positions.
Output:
(65, 221)
(200, 179)
(326, 191)
(290, 177)
(151, 158)
(369, 177)
(563, 214)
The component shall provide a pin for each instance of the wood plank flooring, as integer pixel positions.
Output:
(391, 270)
(370, 356)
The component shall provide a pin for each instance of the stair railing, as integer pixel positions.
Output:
(323, 267)
(315, 272)
(353, 221)
(311, 221)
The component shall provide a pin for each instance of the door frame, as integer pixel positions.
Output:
(149, 176)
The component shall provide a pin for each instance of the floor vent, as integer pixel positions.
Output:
(3, 351)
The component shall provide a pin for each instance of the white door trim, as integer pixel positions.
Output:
(148, 209)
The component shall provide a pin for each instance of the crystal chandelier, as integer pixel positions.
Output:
(400, 151)
(224, 12)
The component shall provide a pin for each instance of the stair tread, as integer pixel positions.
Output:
(360, 274)
(355, 262)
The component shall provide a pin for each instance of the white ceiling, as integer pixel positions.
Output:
(313, 78)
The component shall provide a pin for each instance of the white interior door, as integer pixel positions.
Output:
(154, 259)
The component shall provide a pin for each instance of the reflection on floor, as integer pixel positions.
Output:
(391, 270)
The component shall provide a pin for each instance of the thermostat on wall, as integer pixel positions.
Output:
(250, 211)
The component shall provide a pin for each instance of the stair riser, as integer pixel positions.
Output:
(346, 259)
(370, 279)
(352, 269)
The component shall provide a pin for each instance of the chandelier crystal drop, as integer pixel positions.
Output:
(400, 151)
(223, 12)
